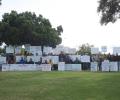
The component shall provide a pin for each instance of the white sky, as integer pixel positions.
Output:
(79, 19)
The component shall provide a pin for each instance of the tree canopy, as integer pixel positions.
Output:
(28, 28)
(85, 49)
(0, 2)
(109, 10)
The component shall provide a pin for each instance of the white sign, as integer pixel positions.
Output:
(18, 50)
(105, 66)
(85, 58)
(27, 47)
(9, 49)
(34, 58)
(73, 67)
(76, 67)
(94, 50)
(36, 50)
(104, 49)
(55, 59)
(73, 57)
(47, 50)
(94, 66)
(61, 66)
(18, 58)
(113, 66)
(116, 50)
(68, 67)
(2, 60)
(46, 67)
(26, 67)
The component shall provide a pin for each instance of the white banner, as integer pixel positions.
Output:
(10, 49)
(55, 59)
(104, 48)
(47, 50)
(2, 60)
(18, 49)
(61, 66)
(85, 58)
(68, 67)
(26, 67)
(116, 50)
(94, 50)
(94, 66)
(76, 67)
(105, 66)
(46, 67)
(73, 57)
(36, 50)
(113, 66)
(34, 58)
(18, 58)
(73, 67)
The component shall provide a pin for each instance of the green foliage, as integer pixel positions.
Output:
(85, 49)
(59, 86)
(28, 28)
(110, 11)
(0, 2)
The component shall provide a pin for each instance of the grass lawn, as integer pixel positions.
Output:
(59, 86)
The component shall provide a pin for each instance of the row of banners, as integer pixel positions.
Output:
(37, 50)
(55, 59)
(106, 66)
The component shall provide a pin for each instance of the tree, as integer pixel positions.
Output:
(28, 28)
(110, 11)
(0, 2)
(85, 49)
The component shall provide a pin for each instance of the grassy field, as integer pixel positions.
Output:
(59, 86)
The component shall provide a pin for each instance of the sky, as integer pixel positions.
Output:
(79, 19)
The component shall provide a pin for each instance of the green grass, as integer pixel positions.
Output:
(59, 86)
